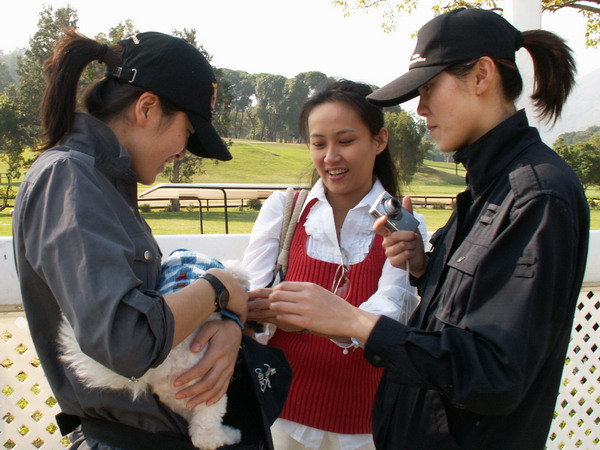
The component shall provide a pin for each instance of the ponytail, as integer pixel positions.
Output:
(554, 67)
(62, 71)
(555, 71)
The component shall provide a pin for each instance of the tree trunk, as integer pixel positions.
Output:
(176, 178)
(6, 193)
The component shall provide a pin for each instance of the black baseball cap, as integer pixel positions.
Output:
(457, 36)
(175, 70)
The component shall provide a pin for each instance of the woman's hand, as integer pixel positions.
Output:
(309, 306)
(403, 246)
(238, 297)
(222, 339)
(260, 311)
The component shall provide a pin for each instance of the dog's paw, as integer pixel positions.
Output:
(223, 435)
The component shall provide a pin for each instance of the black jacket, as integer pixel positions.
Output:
(479, 365)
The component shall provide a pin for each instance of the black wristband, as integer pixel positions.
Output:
(222, 294)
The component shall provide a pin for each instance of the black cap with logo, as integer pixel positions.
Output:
(457, 36)
(175, 70)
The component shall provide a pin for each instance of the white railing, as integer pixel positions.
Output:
(27, 406)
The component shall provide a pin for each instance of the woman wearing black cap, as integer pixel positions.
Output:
(84, 252)
(479, 364)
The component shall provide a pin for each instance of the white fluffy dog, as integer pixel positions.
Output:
(205, 422)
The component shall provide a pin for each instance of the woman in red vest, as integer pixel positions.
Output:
(331, 397)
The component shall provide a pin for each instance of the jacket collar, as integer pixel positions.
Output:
(93, 137)
(491, 154)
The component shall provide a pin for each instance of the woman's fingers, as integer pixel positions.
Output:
(380, 228)
(210, 377)
(407, 204)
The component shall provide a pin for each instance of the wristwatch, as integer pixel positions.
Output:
(222, 298)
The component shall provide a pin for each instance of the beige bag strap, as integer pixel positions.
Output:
(291, 213)
(287, 215)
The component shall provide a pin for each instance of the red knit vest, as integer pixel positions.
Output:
(330, 391)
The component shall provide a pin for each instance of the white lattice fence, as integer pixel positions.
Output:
(577, 417)
(28, 407)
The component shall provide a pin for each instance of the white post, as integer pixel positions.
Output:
(525, 15)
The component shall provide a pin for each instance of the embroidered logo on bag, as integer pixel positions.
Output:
(263, 378)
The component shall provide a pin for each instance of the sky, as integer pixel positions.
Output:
(284, 37)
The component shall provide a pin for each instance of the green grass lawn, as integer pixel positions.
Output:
(258, 163)
(241, 221)
(277, 163)
(188, 222)
(437, 178)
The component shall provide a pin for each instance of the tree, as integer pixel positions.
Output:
(393, 8)
(296, 92)
(20, 123)
(19, 105)
(10, 59)
(315, 80)
(579, 136)
(12, 141)
(270, 101)
(584, 159)
(242, 91)
(407, 144)
(5, 77)
(589, 8)
(95, 71)
(30, 66)
(269, 92)
(221, 116)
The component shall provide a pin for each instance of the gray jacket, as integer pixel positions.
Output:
(82, 249)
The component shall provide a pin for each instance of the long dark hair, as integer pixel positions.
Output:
(354, 95)
(554, 67)
(105, 99)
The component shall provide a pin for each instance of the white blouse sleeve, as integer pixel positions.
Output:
(395, 297)
(261, 254)
(422, 228)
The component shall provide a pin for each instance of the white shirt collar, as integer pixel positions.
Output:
(318, 192)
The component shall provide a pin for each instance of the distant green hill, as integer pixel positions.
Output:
(271, 162)
(259, 163)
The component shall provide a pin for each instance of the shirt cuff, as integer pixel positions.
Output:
(383, 341)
